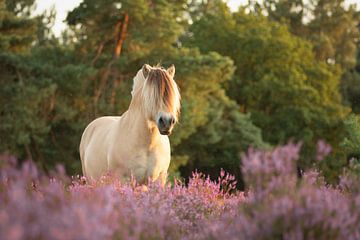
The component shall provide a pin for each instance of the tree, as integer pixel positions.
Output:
(350, 86)
(328, 24)
(351, 142)
(289, 93)
(40, 93)
(333, 30)
(292, 13)
(17, 32)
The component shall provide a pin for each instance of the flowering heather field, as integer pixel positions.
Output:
(277, 204)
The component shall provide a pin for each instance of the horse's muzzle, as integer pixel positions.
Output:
(165, 124)
(165, 132)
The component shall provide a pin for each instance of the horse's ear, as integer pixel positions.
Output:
(171, 71)
(146, 70)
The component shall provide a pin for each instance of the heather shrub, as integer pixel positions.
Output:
(277, 204)
(350, 180)
(38, 206)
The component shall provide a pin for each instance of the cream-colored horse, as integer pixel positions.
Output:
(135, 143)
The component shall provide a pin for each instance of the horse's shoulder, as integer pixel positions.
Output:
(106, 118)
(100, 123)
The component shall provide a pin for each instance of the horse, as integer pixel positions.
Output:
(135, 144)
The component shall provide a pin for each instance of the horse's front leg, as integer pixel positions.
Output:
(163, 178)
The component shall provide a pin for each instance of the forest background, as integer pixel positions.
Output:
(271, 72)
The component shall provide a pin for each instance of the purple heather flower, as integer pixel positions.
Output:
(277, 204)
(323, 149)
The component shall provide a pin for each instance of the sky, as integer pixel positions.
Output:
(64, 6)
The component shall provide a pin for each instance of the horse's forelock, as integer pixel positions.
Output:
(160, 91)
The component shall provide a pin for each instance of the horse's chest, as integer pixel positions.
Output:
(143, 163)
(150, 164)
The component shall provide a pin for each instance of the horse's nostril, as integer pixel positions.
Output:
(161, 121)
(166, 122)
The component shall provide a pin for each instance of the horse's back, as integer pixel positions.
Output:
(94, 146)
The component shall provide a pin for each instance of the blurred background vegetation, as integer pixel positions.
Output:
(270, 72)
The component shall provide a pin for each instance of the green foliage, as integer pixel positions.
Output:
(151, 25)
(354, 168)
(290, 12)
(20, 7)
(16, 32)
(333, 30)
(350, 86)
(210, 123)
(278, 80)
(41, 105)
(351, 142)
(221, 139)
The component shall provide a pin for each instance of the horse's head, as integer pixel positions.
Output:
(159, 96)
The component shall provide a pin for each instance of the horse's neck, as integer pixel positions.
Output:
(146, 133)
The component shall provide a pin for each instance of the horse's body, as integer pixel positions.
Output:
(135, 143)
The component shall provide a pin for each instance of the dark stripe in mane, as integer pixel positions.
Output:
(162, 83)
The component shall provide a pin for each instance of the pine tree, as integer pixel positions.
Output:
(40, 91)
(16, 32)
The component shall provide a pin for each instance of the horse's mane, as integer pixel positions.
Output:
(161, 91)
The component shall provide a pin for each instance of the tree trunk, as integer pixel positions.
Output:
(120, 35)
